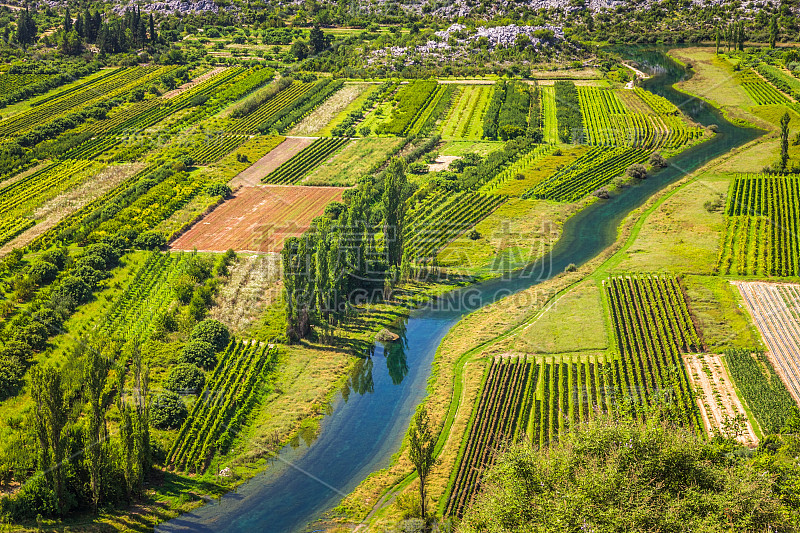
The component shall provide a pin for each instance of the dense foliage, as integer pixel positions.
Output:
(611, 475)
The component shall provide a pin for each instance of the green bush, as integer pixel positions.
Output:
(615, 475)
(186, 378)
(42, 272)
(199, 353)
(150, 240)
(167, 411)
(11, 377)
(218, 189)
(213, 332)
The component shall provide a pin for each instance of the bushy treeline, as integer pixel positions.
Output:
(568, 112)
(513, 112)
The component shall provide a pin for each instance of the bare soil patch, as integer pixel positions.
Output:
(259, 219)
(196, 81)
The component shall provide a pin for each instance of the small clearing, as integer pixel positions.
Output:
(275, 158)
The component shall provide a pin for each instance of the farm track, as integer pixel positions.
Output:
(275, 158)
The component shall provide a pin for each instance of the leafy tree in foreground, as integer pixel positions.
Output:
(625, 476)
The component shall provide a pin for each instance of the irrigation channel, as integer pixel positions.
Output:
(368, 421)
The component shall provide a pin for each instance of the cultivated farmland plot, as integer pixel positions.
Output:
(716, 397)
(762, 225)
(259, 219)
(465, 120)
(775, 308)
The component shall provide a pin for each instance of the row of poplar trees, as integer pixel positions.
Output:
(348, 254)
(81, 465)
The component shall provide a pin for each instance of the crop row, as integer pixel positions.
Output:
(762, 388)
(592, 170)
(526, 161)
(11, 83)
(568, 113)
(762, 224)
(428, 111)
(131, 316)
(274, 107)
(223, 407)
(781, 80)
(410, 101)
(466, 117)
(760, 91)
(21, 197)
(357, 115)
(652, 328)
(773, 307)
(495, 419)
(216, 147)
(296, 168)
(121, 83)
(439, 218)
(609, 123)
(657, 103)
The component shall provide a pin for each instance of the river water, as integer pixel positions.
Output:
(370, 417)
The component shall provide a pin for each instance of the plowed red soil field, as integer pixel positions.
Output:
(258, 219)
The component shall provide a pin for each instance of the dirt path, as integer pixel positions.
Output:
(276, 157)
(719, 399)
(196, 81)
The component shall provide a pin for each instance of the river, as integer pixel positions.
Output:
(369, 419)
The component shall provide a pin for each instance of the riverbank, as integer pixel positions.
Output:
(458, 367)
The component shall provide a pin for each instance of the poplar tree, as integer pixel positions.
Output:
(394, 204)
(420, 449)
(67, 21)
(50, 416)
(97, 367)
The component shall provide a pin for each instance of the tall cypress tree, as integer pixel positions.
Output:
(785, 141)
(67, 21)
(152, 29)
(773, 30)
(50, 416)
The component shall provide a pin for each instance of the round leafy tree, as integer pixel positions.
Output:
(168, 411)
(199, 353)
(213, 332)
(11, 372)
(43, 272)
(185, 377)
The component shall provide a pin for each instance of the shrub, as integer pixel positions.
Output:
(104, 250)
(74, 288)
(218, 189)
(213, 332)
(183, 287)
(185, 377)
(56, 256)
(657, 160)
(167, 411)
(11, 373)
(42, 272)
(199, 353)
(150, 240)
(637, 171)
